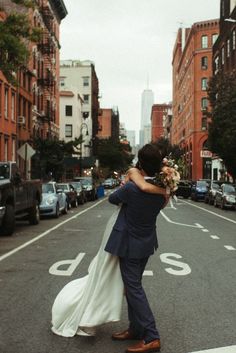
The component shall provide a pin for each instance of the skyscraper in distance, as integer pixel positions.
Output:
(146, 108)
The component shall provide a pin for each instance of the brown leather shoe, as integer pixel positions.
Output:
(122, 336)
(141, 347)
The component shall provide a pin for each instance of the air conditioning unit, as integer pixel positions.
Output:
(34, 108)
(34, 72)
(21, 120)
(42, 113)
(53, 60)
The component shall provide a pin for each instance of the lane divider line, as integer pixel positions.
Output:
(215, 237)
(12, 252)
(229, 247)
(180, 224)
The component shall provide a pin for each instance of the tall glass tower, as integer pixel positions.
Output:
(146, 109)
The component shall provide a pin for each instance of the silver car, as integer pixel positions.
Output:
(54, 200)
(225, 196)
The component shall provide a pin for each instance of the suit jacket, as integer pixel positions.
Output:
(134, 232)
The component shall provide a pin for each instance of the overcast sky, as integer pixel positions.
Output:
(130, 41)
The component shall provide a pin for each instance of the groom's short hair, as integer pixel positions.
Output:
(150, 159)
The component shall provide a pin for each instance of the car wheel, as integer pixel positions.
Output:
(57, 213)
(215, 203)
(222, 205)
(34, 214)
(8, 223)
(75, 203)
(82, 200)
(65, 210)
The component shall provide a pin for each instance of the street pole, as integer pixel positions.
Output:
(83, 125)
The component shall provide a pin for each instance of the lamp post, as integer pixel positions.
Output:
(83, 125)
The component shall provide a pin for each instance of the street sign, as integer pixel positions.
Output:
(205, 154)
(26, 151)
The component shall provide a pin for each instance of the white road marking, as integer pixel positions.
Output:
(171, 205)
(229, 349)
(215, 214)
(180, 224)
(215, 237)
(184, 268)
(205, 230)
(229, 247)
(72, 264)
(147, 273)
(47, 232)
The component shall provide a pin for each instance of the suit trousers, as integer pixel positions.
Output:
(142, 322)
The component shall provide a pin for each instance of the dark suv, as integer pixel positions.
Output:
(90, 187)
(199, 189)
(184, 189)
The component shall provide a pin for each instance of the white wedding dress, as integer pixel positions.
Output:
(92, 300)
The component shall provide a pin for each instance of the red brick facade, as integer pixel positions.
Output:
(158, 113)
(192, 67)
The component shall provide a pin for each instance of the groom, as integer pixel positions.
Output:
(134, 239)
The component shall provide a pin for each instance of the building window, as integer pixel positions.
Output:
(62, 82)
(204, 123)
(69, 110)
(6, 108)
(5, 150)
(222, 55)
(86, 81)
(233, 39)
(13, 104)
(204, 103)
(204, 42)
(204, 62)
(204, 84)
(214, 38)
(68, 130)
(228, 48)
(86, 98)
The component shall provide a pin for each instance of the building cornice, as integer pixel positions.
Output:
(59, 7)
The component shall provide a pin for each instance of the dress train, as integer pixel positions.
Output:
(91, 300)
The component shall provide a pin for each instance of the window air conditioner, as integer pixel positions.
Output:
(21, 120)
(34, 72)
(34, 108)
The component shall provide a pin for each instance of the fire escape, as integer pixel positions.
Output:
(47, 80)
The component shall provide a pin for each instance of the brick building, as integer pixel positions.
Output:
(192, 67)
(108, 124)
(159, 111)
(224, 49)
(32, 109)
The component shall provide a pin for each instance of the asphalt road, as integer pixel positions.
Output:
(190, 281)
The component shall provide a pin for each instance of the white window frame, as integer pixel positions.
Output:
(68, 130)
(204, 42)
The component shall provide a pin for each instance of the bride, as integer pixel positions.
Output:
(95, 299)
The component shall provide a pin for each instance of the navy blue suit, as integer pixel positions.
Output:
(134, 238)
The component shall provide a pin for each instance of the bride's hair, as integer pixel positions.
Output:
(149, 159)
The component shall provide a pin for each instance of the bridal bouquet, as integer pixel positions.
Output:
(169, 176)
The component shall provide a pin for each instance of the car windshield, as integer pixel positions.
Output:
(215, 186)
(4, 171)
(86, 182)
(64, 187)
(201, 183)
(76, 185)
(47, 189)
(229, 188)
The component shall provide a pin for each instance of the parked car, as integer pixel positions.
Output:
(54, 200)
(19, 198)
(89, 186)
(109, 183)
(81, 194)
(199, 189)
(184, 189)
(70, 192)
(212, 187)
(225, 196)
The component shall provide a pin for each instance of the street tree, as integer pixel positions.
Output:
(15, 32)
(222, 128)
(50, 156)
(114, 155)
